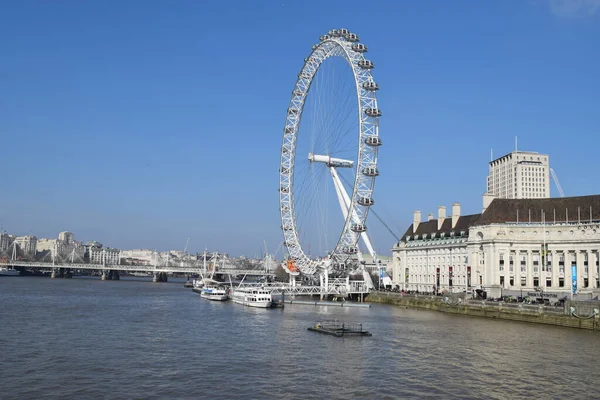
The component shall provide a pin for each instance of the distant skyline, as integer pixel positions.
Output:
(140, 124)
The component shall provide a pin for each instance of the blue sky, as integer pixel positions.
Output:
(143, 123)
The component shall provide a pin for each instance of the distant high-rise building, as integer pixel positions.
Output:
(5, 241)
(520, 175)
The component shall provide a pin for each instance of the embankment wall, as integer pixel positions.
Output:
(585, 315)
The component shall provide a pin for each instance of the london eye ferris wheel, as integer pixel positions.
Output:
(329, 156)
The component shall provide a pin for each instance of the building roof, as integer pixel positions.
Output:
(429, 227)
(578, 209)
(559, 209)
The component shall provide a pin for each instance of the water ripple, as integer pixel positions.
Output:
(84, 338)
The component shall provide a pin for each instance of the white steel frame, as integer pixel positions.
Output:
(336, 45)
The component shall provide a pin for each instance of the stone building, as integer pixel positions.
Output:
(104, 255)
(27, 245)
(64, 249)
(515, 245)
(138, 257)
(5, 241)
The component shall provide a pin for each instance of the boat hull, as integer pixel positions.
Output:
(9, 272)
(257, 304)
(213, 297)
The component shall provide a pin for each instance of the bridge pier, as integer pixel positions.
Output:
(57, 273)
(159, 277)
(61, 273)
(110, 275)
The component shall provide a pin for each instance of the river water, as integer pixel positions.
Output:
(84, 338)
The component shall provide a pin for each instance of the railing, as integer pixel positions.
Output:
(132, 268)
(355, 287)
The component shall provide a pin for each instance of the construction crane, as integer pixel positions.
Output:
(555, 178)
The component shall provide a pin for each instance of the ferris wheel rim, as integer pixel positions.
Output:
(368, 129)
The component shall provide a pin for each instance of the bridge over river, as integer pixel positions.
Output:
(340, 287)
(109, 271)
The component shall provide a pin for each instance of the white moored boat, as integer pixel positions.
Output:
(217, 293)
(252, 297)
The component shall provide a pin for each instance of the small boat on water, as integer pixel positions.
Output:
(6, 271)
(215, 293)
(188, 284)
(252, 297)
(338, 329)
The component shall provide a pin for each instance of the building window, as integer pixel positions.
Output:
(561, 282)
(511, 282)
(523, 281)
(586, 282)
(536, 282)
(502, 281)
(548, 282)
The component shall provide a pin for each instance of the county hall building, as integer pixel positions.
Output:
(516, 245)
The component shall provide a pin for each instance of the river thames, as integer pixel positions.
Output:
(86, 338)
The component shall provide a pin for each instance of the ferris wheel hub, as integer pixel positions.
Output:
(330, 161)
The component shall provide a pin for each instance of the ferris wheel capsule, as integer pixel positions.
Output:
(373, 141)
(358, 228)
(366, 64)
(350, 250)
(373, 112)
(352, 37)
(370, 85)
(370, 171)
(359, 48)
(366, 201)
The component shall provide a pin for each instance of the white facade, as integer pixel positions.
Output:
(519, 175)
(427, 265)
(547, 252)
(433, 256)
(105, 256)
(138, 257)
(27, 244)
(65, 249)
(5, 241)
(512, 256)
